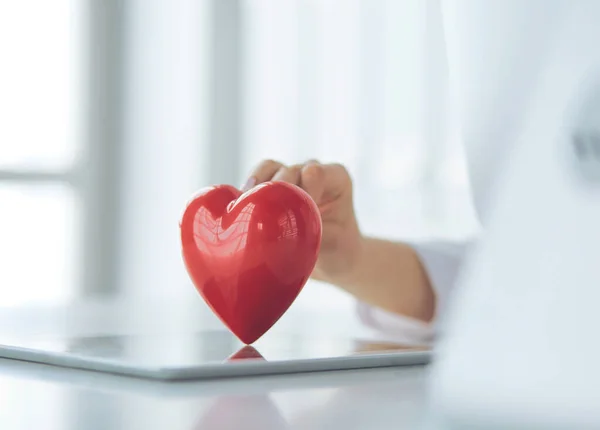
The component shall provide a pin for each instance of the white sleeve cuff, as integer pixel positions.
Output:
(442, 262)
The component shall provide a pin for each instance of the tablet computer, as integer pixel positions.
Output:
(210, 354)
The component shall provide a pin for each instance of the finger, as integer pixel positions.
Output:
(312, 180)
(288, 174)
(326, 182)
(338, 180)
(262, 173)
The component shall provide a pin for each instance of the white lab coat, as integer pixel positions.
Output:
(495, 51)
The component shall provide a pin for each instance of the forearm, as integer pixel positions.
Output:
(389, 275)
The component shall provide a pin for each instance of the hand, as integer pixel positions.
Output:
(378, 272)
(330, 186)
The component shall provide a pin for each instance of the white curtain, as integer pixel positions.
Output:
(362, 82)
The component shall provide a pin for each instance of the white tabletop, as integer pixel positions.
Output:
(42, 397)
(35, 396)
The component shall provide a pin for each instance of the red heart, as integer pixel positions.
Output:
(249, 255)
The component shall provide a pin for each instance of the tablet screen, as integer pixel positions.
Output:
(210, 353)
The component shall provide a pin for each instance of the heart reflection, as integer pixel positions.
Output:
(242, 412)
(249, 411)
(246, 353)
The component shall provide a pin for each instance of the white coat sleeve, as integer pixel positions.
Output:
(442, 262)
(495, 51)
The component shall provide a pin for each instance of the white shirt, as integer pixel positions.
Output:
(495, 51)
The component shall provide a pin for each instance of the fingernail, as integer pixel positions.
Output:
(249, 184)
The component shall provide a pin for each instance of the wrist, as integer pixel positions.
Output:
(345, 270)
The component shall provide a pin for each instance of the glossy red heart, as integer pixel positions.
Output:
(249, 255)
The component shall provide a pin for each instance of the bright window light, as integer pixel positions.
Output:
(39, 83)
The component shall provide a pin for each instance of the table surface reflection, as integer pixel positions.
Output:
(35, 396)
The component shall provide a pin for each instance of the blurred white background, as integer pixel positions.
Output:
(113, 112)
